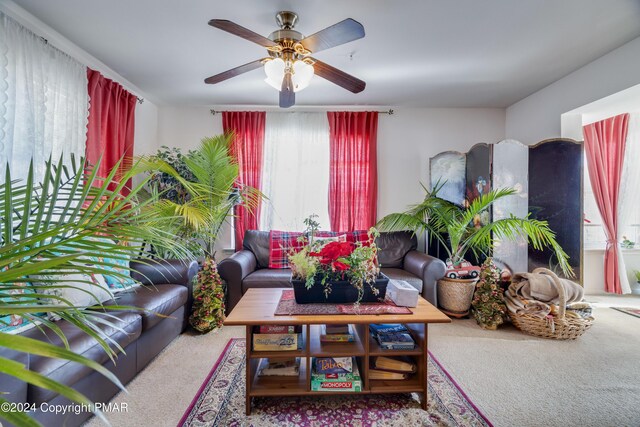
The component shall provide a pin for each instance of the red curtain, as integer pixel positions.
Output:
(247, 147)
(605, 144)
(353, 179)
(111, 124)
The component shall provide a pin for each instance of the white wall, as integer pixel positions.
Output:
(537, 117)
(146, 129)
(184, 127)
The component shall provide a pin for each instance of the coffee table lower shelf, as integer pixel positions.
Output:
(256, 308)
(362, 349)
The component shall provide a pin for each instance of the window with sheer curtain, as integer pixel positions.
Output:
(43, 101)
(629, 206)
(295, 175)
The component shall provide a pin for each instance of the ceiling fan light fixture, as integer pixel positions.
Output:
(274, 70)
(302, 75)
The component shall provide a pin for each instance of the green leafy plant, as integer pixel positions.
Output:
(197, 192)
(49, 229)
(323, 262)
(637, 274)
(454, 226)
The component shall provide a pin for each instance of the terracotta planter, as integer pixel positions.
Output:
(342, 292)
(455, 295)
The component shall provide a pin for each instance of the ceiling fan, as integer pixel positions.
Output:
(289, 66)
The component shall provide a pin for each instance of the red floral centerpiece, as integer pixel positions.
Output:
(335, 270)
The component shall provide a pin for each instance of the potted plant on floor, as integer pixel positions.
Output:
(197, 192)
(453, 227)
(53, 228)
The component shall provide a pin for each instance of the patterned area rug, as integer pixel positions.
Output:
(220, 402)
(629, 310)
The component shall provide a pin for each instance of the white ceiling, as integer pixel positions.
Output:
(435, 53)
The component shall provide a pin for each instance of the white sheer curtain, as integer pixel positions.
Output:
(43, 101)
(295, 176)
(629, 184)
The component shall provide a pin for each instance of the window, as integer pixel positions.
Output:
(295, 177)
(43, 101)
(628, 208)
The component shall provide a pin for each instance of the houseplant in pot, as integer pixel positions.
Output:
(336, 270)
(70, 222)
(453, 227)
(197, 192)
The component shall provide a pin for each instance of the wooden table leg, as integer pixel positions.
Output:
(248, 377)
(425, 351)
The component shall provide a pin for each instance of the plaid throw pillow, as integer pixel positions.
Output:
(357, 236)
(281, 243)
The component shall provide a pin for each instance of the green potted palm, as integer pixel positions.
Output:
(197, 192)
(49, 228)
(453, 226)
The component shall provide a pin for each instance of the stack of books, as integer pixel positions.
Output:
(289, 367)
(337, 333)
(338, 374)
(391, 368)
(392, 336)
(277, 338)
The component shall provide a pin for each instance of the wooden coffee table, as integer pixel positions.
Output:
(257, 307)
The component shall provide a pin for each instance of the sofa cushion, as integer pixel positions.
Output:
(399, 274)
(281, 244)
(267, 278)
(258, 243)
(161, 299)
(394, 246)
(67, 372)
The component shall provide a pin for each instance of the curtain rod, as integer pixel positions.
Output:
(213, 112)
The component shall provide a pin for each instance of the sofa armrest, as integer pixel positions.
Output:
(165, 271)
(429, 269)
(233, 270)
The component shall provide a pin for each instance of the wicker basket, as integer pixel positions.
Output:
(557, 327)
(455, 295)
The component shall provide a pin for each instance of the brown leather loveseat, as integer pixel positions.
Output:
(143, 335)
(398, 257)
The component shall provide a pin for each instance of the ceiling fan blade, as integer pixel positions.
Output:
(287, 95)
(234, 72)
(338, 77)
(335, 35)
(240, 31)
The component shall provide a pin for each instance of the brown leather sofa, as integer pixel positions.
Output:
(398, 257)
(167, 292)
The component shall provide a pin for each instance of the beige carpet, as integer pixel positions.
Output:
(514, 379)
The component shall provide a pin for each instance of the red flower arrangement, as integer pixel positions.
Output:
(323, 263)
(332, 252)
